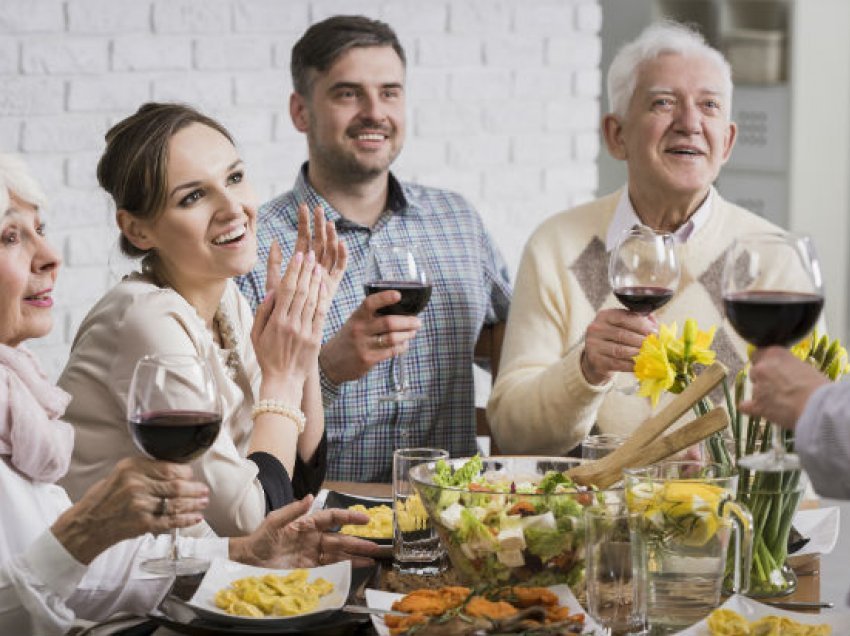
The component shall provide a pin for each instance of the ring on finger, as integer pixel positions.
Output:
(162, 509)
(380, 340)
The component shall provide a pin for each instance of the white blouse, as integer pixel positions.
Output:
(42, 587)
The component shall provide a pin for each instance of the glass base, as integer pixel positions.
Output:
(407, 395)
(184, 566)
(770, 462)
(783, 584)
(420, 568)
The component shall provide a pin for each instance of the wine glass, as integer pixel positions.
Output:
(643, 272)
(399, 267)
(772, 295)
(174, 414)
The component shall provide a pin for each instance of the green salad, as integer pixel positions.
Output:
(500, 528)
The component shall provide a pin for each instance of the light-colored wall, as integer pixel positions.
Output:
(503, 105)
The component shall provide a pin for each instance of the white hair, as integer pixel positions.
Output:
(657, 39)
(15, 178)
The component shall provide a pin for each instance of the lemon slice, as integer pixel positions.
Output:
(642, 496)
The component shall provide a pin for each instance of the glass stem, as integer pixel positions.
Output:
(777, 441)
(173, 551)
(399, 375)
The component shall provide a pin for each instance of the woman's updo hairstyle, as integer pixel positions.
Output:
(133, 168)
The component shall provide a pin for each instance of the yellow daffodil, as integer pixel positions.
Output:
(653, 369)
(700, 343)
(802, 349)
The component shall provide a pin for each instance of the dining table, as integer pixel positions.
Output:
(806, 568)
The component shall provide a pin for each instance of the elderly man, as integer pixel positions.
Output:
(567, 338)
(348, 74)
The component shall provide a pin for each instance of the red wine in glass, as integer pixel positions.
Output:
(767, 318)
(400, 268)
(174, 414)
(772, 295)
(643, 299)
(643, 271)
(175, 436)
(414, 296)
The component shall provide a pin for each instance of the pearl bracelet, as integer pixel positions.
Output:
(278, 407)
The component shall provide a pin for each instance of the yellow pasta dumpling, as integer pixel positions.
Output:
(726, 622)
(380, 524)
(273, 595)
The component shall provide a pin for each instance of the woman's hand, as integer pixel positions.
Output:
(611, 342)
(291, 538)
(128, 503)
(288, 326)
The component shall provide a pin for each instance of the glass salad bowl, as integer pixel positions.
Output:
(510, 519)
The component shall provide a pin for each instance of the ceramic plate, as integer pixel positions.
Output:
(334, 499)
(753, 610)
(223, 571)
(384, 600)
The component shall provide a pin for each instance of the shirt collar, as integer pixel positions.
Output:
(626, 218)
(397, 200)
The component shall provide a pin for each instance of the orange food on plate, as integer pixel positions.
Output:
(432, 602)
(424, 605)
(480, 607)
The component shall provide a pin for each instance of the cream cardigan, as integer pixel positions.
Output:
(541, 402)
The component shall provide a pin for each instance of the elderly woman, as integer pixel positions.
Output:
(567, 336)
(58, 559)
(185, 205)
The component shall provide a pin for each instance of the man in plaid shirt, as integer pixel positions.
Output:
(348, 75)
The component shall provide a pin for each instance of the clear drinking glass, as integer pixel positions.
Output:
(401, 268)
(416, 545)
(597, 446)
(773, 295)
(616, 591)
(643, 272)
(174, 414)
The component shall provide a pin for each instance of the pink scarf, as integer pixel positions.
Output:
(38, 442)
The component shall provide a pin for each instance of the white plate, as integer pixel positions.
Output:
(753, 610)
(385, 600)
(821, 525)
(223, 571)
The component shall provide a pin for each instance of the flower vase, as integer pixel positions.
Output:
(772, 497)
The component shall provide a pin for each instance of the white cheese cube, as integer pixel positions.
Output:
(511, 558)
(450, 517)
(511, 538)
(545, 521)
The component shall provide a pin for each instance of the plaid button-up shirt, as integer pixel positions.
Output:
(470, 288)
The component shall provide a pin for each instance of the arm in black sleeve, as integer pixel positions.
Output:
(274, 479)
(279, 489)
(308, 476)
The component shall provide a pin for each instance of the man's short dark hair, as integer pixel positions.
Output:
(324, 42)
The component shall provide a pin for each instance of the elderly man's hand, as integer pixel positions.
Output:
(611, 341)
(292, 538)
(782, 385)
(128, 503)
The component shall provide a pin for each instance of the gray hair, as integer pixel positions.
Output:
(15, 178)
(657, 39)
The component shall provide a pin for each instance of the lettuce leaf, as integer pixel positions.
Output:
(462, 476)
(546, 543)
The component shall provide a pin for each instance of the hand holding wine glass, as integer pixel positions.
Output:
(643, 272)
(174, 414)
(399, 268)
(772, 295)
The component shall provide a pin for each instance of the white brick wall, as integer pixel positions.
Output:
(503, 105)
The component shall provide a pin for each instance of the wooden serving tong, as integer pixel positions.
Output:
(646, 445)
